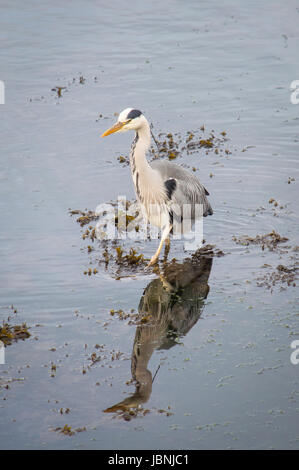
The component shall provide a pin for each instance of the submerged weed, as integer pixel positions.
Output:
(9, 333)
(270, 240)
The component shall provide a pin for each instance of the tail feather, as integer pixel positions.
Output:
(208, 211)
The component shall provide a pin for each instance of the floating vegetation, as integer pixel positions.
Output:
(115, 257)
(127, 412)
(103, 357)
(129, 219)
(112, 356)
(209, 251)
(172, 146)
(283, 276)
(270, 240)
(5, 382)
(88, 216)
(134, 318)
(275, 203)
(167, 413)
(64, 411)
(275, 207)
(123, 159)
(67, 430)
(58, 90)
(113, 254)
(85, 217)
(129, 259)
(9, 333)
(90, 271)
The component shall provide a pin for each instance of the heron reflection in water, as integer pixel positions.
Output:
(174, 301)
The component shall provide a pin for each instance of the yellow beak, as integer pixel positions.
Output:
(113, 129)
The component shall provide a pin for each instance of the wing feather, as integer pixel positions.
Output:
(182, 187)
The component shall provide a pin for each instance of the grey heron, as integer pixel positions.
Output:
(162, 188)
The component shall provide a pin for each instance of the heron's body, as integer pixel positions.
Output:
(163, 188)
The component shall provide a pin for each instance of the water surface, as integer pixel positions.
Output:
(227, 382)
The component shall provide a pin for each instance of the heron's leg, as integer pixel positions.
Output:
(165, 234)
(154, 258)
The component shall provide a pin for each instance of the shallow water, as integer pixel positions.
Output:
(229, 381)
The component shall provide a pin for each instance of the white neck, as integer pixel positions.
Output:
(148, 182)
(139, 148)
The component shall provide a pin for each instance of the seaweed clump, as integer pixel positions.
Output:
(282, 275)
(67, 430)
(9, 333)
(58, 90)
(208, 251)
(129, 259)
(173, 145)
(134, 318)
(85, 217)
(270, 240)
(112, 253)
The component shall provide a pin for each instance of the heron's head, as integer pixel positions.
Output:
(129, 119)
